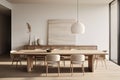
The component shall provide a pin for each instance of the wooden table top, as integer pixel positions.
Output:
(62, 52)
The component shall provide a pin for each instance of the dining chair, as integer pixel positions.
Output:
(52, 59)
(40, 58)
(77, 59)
(15, 58)
(102, 58)
(62, 58)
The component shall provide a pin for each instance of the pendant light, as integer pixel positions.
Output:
(77, 27)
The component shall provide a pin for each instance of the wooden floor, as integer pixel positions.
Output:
(8, 72)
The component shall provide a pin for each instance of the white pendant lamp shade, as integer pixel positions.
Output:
(78, 28)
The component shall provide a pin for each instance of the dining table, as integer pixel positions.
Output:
(39, 52)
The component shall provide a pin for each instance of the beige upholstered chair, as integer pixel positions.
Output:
(15, 58)
(77, 59)
(62, 58)
(40, 58)
(52, 59)
(101, 58)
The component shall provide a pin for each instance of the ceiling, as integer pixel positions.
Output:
(5, 10)
(60, 1)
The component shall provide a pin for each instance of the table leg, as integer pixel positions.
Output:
(91, 62)
(29, 63)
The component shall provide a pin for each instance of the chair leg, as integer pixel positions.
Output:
(70, 67)
(64, 62)
(102, 62)
(16, 63)
(96, 63)
(46, 69)
(58, 68)
(12, 62)
(72, 70)
(105, 64)
(20, 62)
(35, 61)
(44, 63)
(83, 69)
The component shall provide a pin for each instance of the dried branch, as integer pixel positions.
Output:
(29, 27)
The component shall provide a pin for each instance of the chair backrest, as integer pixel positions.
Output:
(77, 57)
(14, 56)
(55, 49)
(38, 49)
(73, 49)
(52, 57)
(13, 51)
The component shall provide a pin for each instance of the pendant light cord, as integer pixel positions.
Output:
(77, 10)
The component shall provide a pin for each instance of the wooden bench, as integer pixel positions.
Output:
(68, 47)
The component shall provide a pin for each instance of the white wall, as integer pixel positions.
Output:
(95, 18)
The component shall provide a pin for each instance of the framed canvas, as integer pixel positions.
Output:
(59, 32)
